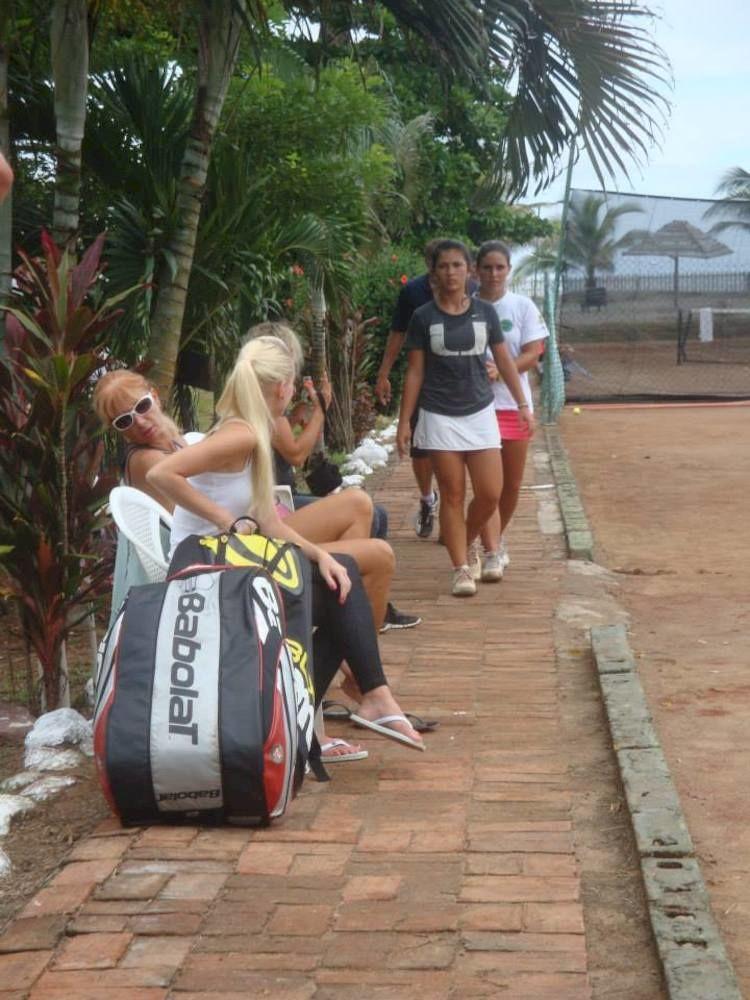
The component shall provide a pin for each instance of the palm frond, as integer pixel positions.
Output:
(584, 71)
(733, 210)
(590, 242)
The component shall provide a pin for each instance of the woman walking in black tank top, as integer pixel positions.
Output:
(447, 380)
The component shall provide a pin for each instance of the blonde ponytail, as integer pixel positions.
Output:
(263, 363)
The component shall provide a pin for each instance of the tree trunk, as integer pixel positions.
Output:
(6, 209)
(318, 334)
(318, 340)
(69, 42)
(218, 42)
(53, 686)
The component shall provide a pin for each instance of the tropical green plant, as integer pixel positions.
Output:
(733, 210)
(52, 488)
(352, 413)
(584, 69)
(556, 72)
(589, 240)
(542, 259)
(378, 279)
(138, 126)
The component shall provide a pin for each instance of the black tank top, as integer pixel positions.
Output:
(131, 449)
(283, 470)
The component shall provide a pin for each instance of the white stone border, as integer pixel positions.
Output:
(46, 751)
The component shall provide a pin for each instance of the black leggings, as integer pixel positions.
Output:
(344, 632)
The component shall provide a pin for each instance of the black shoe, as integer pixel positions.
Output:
(398, 619)
(425, 519)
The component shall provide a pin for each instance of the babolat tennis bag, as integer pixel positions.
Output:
(204, 707)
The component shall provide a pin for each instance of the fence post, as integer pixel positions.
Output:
(553, 375)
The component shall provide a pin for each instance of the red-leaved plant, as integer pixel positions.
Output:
(52, 490)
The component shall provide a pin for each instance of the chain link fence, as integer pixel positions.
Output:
(654, 304)
(552, 393)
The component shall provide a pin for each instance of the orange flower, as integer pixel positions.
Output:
(404, 279)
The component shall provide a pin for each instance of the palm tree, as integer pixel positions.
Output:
(590, 243)
(219, 28)
(735, 205)
(69, 44)
(582, 69)
(541, 260)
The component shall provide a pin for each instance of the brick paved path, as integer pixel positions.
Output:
(448, 874)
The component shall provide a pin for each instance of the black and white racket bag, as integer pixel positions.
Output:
(204, 708)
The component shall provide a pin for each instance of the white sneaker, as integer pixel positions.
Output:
(425, 519)
(492, 567)
(503, 553)
(474, 559)
(463, 585)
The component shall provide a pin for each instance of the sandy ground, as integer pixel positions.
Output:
(641, 368)
(666, 494)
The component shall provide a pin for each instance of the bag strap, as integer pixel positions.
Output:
(315, 760)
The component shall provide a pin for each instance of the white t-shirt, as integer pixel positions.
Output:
(521, 322)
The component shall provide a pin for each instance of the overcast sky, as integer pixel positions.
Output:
(708, 44)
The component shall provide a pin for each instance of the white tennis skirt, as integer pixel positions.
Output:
(437, 432)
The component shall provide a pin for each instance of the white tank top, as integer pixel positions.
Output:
(232, 490)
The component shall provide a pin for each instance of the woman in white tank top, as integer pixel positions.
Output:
(205, 482)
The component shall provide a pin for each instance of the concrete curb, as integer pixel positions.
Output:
(578, 537)
(694, 960)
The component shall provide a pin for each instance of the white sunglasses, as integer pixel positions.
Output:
(125, 420)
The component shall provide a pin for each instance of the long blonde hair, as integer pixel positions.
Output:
(114, 388)
(262, 363)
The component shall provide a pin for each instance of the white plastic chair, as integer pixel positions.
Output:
(140, 518)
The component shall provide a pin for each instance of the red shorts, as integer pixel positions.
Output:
(511, 426)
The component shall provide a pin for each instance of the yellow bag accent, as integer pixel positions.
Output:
(257, 550)
(299, 657)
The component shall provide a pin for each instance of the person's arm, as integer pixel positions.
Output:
(412, 388)
(509, 374)
(526, 360)
(296, 450)
(136, 474)
(393, 346)
(229, 448)
(529, 355)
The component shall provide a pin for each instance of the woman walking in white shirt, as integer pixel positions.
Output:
(524, 331)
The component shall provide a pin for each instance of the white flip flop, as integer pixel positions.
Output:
(336, 757)
(381, 727)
